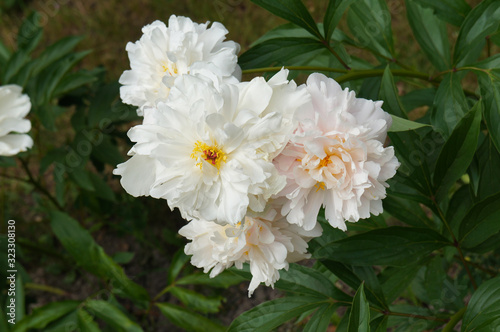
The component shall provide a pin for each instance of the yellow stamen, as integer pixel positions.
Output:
(325, 161)
(171, 68)
(212, 154)
(320, 185)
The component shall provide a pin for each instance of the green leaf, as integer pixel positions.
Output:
(379, 324)
(82, 179)
(430, 33)
(450, 104)
(102, 190)
(321, 319)
(359, 318)
(66, 323)
(123, 257)
(196, 301)
(457, 152)
(482, 21)
(481, 222)
(7, 161)
(389, 94)
(451, 11)
(15, 63)
(4, 55)
(20, 303)
(55, 52)
(393, 246)
(272, 314)
(352, 279)
(89, 255)
(178, 261)
(4, 326)
(101, 103)
(395, 280)
(223, 280)
(483, 311)
(407, 211)
(73, 81)
(86, 322)
(490, 92)
(41, 317)
(370, 22)
(113, 316)
(277, 52)
(293, 11)
(106, 150)
(188, 320)
(334, 13)
(30, 33)
(400, 124)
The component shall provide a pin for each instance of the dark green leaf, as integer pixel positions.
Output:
(334, 13)
(457, 152)
(223, 280)
(102, 190)
(30, 33)
(379, 324)
(101, 103)
(74, 80)
(460, 204)
(389, 94)
(277, 52)
(196, 301)
(293, 11)
(66, 323)
(359, 318)
(490, 92)
(7, 161)
(353, 280)
(483, 311)
(4, 326)
(178, 261)
(430, 33)
(482, 21)
(449, 106)
(20, 303)
(272, 314)
(395, 280)
(321, 319)
(123, 257)
(55, 52)
(41, 317)
(481, 222)
(451, 11)
(82, 179)
(4, 56)
(15, 63)
(370, 22)
(400, 124)
(418, 98)
(86, 322)
(89, 255)
(105, 149)
(188, 320)
(394, 246)
(407, 211)
(113, 316)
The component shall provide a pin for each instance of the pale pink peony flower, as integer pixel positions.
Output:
(268, 243)
(336, 157)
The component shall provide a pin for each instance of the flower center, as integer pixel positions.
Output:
(171, 68)
(212, 154)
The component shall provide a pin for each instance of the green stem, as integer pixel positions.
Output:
(403, 314)
(38, 186)
(454, 320)
(327, 45)
(163, 292)
(45, 288)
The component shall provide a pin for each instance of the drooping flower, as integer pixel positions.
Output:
(164, 53)
(14, 106)
(336, 158)
(209, 151)
(268, 243)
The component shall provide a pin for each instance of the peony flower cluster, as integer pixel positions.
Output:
(249, 164)
(14, 106)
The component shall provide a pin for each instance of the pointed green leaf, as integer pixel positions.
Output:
(483, 311)
(450, 104)
(42, 316)
(482, 21)
(389, 94)
(359, 318)
(457, 153)
(196, 301)
(55, 52)
(334, 13)
(30, 33)
(321, 318)
(271, 314)
(293, 11)
(451, 11)
(393, 246)
(490, 92)
(430, 33)
(400, 124)
(113, 316)
(223, 280)
(188, 320)
(86, 322)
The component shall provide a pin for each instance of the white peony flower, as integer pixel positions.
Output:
(268, 243)
(165, 53)
(208, 151)
(336, 157)
(14, 106)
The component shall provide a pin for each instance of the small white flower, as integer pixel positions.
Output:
(209, 152)
(268, 243)
(336, 158)
(165, 53)
(14, 106)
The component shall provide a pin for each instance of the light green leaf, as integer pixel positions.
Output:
(457, 152)
(271, 314)
(483, 311)
(196, 301)
(293, 11)
(393, 246)
(86, 322)
(41, 317)
(359, 317)
(482, 21)
(321, 319)
(400, 124)
(188, 320)
(451, 11)
(55, 52)
(113, 316)
(430, 33)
